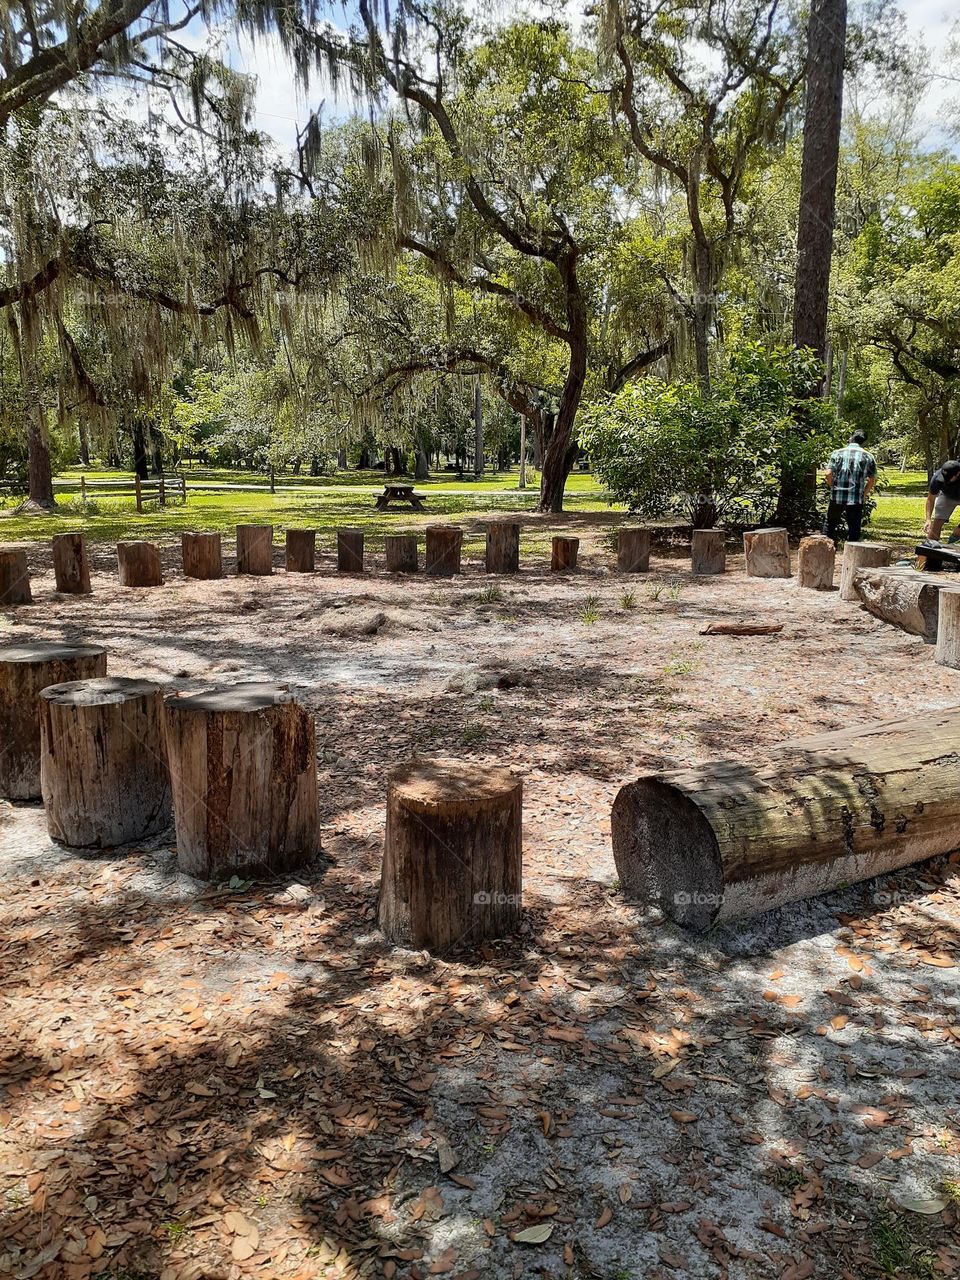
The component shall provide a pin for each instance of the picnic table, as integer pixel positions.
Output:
(399, 493)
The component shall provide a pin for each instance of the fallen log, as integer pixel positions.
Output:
(725, 840)
(904, 597)
(742, 629)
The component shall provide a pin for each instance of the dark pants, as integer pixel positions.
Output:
(836, 511)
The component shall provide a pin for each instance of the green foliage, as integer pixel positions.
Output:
(666, 447)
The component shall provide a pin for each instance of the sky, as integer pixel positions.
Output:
(281, 107)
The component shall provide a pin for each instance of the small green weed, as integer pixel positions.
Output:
(896, 1254)
(589, 611)
(628, 600)
(489, 595)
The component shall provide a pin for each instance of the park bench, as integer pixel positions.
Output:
(399, 493)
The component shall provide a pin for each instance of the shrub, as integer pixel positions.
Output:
(666, 447)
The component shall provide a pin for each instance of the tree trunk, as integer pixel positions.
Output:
(444, 543)
(14, 577)
(816, 562)
(71, 567)
(301, 550)
(633, 549)
(255, 549)
(24, 671)
(503, 547)
(477, 429)
(522, 482)
(857, 556)
(560, 451)
(141, 466)
(563, 555)
(725, 840)
(702, 307)
(202, 555)
(708, 551)
(39, 468)
(421, 469)
(767, 553)
(350, 551)
(401, 552)
(103, 771)
(826, 44)
(903, 597)
(452, 855)
(139, 564)
(84, 444)
(243, 771)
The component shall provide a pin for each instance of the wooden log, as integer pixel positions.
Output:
(816, 561)
(243, 769)
(71, 568)
(902, 596)
(103, 772)
(563, 555)
(401, 552)
(452, 855)
(139, 564)
(742, 629)
(24, 671)
(202, 555)
(633, 549)
(726, 840)
(857, 556)
(767, 553)
(14, 577)
(350, 551)
(708, 551)
(255, 549)
(948, 630)
(444, 545)
(301, 550)
(503, 547)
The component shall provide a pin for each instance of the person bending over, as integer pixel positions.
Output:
(851, 475)
(943, 498)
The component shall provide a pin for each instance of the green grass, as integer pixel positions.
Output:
(901, 498)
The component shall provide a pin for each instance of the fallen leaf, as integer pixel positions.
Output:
(534, 1235)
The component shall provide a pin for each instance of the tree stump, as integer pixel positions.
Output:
(401, 549)
(452, 855)
(708, 551)
(503, 547)
(563, 555)
(255, 549)
(202, 555)
(71, 568)
(301, 550)
(767, 553)
(444, 544)
(815, 562)
(24, 671)
(633, 549)
(726, 840)
(857, 556)
(103, 771)
(243, 769)
(350, 551)
(14, 577)
(948, 628)
(139, 564)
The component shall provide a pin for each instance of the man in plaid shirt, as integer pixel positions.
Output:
(851, 475)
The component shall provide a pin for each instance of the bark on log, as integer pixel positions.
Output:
(14, 577)
(401, 552)
(202, 555)
(301, 550)
(103, 772)
(725, 840)
(255, 550)
(503, 547)
(243, 769)
(742, 629)
(444, 546)
(708, 551)
(563, 556)
(139, 564)
(767, 553)
(902, 596)
(857, 556)
(350, 551)
(948, 630)
(816, 562)
(24, 671)
(633, 549)
(452, 855)
(71, 568)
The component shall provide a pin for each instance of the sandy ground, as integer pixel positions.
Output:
(202, 1081)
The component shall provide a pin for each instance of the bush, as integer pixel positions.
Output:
(665, 447)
